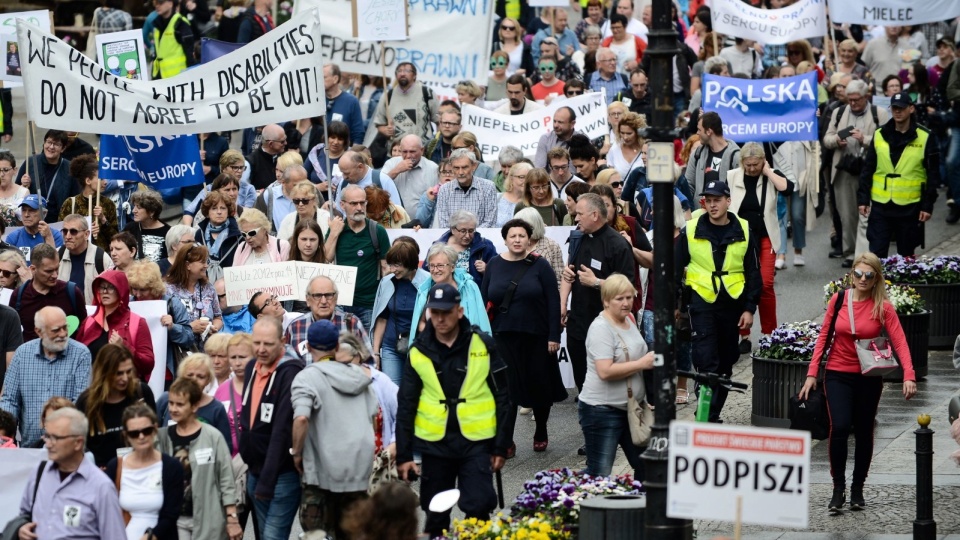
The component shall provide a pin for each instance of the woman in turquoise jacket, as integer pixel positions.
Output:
(442, 261)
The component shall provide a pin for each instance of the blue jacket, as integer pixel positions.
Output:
(241, 321)
(346, 108)
(385, 292)
(481, 249)
(473, 307)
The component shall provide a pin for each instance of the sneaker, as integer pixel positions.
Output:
(582, 451)
(780, 263)
(847, 263)
(798, 260)
(954, 215)
(836, 253)
(745, 346)
(856, 498)
(836, 503)
(525, 410)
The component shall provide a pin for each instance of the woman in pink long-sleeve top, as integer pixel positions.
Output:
(852, 398)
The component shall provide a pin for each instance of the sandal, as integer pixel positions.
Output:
(684, 398)
(540, 446)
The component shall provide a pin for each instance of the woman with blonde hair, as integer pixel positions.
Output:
(612, 178)
(852, 397)
(199, 368)
(625, 155)
(510, 41)
(13, 269)
(497, 81)
(468, 140)
(469, 93)
(306, 203)
(216, 349)
(285, 160)
(260, 246)
(513, 190)
(848, 50)
(615, 112)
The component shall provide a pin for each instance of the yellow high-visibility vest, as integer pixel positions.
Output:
(171, 59)
(907, 187)
(476, 408)
(702, 274)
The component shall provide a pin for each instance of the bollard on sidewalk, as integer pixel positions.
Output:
(924, 526)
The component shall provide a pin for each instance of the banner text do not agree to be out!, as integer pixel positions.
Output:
(274, 79)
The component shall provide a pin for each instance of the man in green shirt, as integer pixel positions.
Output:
(363, 244)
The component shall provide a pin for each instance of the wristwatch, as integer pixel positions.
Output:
(596, 284)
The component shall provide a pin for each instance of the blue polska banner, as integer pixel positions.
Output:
(764, 110)
(160, 162)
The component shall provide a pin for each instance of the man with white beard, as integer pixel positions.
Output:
(51, 365)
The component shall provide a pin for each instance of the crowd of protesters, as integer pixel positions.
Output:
(252, 425)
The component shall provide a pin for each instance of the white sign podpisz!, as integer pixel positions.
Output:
(711, 465)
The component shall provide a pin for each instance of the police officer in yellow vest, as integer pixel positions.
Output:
(717, 265)
(452, 409)
(898, 183)
(173, 40)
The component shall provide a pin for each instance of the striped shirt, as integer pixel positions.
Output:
(480, 199)
(296, 334)
(34, 378)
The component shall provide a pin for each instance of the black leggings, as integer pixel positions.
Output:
(852, 401)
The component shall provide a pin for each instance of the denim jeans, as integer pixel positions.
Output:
(365, 315)
(391, 363)
(275, 517)
(604, 428)
(953, 162)
(648, 326)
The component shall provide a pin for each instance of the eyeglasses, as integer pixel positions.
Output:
(52, 144)
(548, 69)
(539, 187)
(574, 92)
(5, 170)
(72, 232)
(860, 274)
(616, 184)
(47, 437)
(439, 266)
(106, 288)
(405, 70)
(136, 433)
(303, 202)
(510, 28)
(270, 301)
(238, 168)
(7, 273)
(464, 231)
(321, 295)
(559, 168)
(449, 124)
(251, 233)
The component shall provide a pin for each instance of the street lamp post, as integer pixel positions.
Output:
(663, 47)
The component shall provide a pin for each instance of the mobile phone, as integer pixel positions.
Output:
(845, 132)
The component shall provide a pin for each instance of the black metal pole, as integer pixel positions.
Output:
(663, 46)
(924, 527)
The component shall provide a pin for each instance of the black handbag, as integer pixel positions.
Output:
(811, 414)
(11, 530)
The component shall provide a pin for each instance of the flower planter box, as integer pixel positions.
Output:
(612, 516)
(774, 383)
(916, 328)
(942, 299)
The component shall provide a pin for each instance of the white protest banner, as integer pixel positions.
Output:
(274, 79)
(285, 280)
(449, 41)
(152, 311)
(713, 465)
(494, 131)
(427, 237)
(893, 12)
(345, 277)
(13, 57)
(123, 54)
(805, 19)
(19, 467)
(380, 20)
(278, 279)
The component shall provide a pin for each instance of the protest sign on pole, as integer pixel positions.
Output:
(449, 41)
(123, 54)
(711, 466)
(494, 131)
(11, 72)
(159, 162)
(274, 79)
(379, 20)
(764, 110)
(285, 280)
(805, 19)
(19, 467)
(893, 12)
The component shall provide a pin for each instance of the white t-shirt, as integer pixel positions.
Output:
(626, 52)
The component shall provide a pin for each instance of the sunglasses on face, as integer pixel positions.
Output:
(547, 68)
(574, 92)
(509, 28)
(500, 62)
(615, 185)
(7, 273)
(860, 274)
(72, 232)
(136, 433)
(251, 234)
(302, 202)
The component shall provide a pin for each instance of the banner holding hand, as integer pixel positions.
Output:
(805, 19)
(764, 110)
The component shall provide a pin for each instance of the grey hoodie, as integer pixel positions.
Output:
(341, 404)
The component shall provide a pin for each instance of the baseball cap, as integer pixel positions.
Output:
(716, 188)
(551, 40)
(443, 297)
(323, 335)
(946, 41)
(33, 201)
(901, 100)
